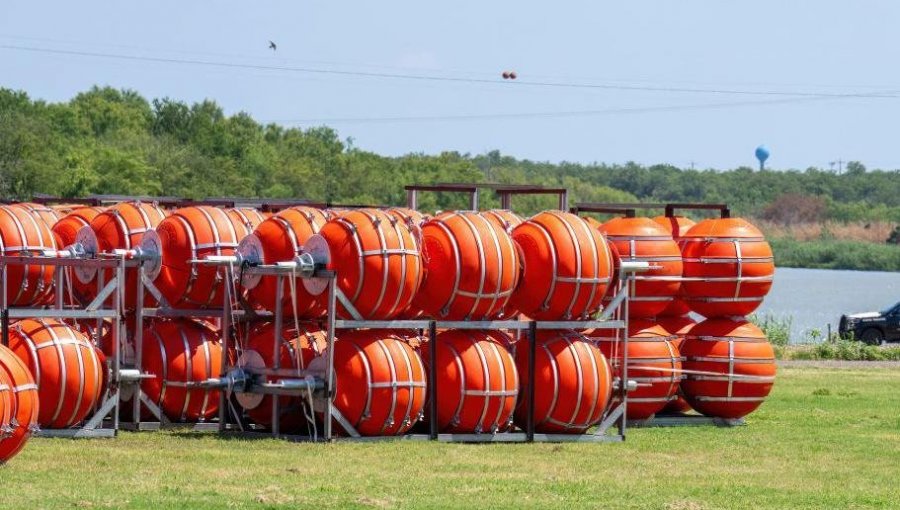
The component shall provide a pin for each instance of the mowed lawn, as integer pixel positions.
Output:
(827, 438)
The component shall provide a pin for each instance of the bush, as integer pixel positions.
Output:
(832, 254)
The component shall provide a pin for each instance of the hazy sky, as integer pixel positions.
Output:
(784, 54)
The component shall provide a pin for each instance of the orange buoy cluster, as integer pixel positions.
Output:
(394, 263)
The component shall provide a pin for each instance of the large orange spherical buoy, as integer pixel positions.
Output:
(46, 213)
(7, 406)
(573, 383)
(65, 367)
(281, 238)
(23, 233)
(653, 362)
(122, 226)
(298, 349)
(477, 381)
(377, 260)
(728, 267)
(566, 265)
(68, 226)
(679, 326)
(193, 233)
(644, 240)
(471, 267)
(249, 217)
(677, 226)
(180, 353)
(730, 367)
(379, 382)
(504, 218)
(24, 416)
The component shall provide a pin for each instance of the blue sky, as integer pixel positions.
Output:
(791, 52)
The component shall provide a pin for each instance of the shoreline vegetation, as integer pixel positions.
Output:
(815, 346)
(111, 141)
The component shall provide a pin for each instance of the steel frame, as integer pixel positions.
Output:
(104, 422)
(615, 420)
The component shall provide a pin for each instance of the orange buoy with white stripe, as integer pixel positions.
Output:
(193, 233)
(65, 367)
(573, 383)
(23, 233)
(7, 406)
(471, 267)
(730, 367)
(379, 382)
(180, 353)
(298, 348)
(566, 267)
(679, 326)
(68, 226)
(24, 416)
(677, 226)
(728, 267)
(46, 213)
(377, 260)
(281, 238)
(504, 218)
(122, 226)
(653, 362)
(644, 240)
(249, 217)
(477, 381)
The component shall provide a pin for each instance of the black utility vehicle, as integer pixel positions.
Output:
(872, 327)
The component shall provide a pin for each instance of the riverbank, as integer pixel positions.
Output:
(835, 254)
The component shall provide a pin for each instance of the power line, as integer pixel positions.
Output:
(450, 79)
(562, 114)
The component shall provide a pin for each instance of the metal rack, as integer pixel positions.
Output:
(238, 379)
(504, 192)
(104, 422)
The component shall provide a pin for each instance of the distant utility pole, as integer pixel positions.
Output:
(692, 165)
(839, 163)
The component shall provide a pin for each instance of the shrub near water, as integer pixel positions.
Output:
(830, 254)
(813, 347)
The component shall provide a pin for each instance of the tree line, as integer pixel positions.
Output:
(110, 141)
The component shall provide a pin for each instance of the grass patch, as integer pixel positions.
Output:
(807, 447)
(835, 254)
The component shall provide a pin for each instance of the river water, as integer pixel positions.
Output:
(814, 298)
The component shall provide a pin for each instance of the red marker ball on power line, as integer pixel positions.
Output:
(505, 75)
(512, 75)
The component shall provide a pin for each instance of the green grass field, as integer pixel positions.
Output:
(827, 438)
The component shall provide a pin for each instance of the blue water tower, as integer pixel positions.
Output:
(762, 154)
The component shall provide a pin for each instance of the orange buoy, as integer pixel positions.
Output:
(23, 233)
(504, 218)
(730, 367)
(471, 267)
(24, 416)
(728, 267)
(46, 214)
(653, 362)
(68, 226)
(644, 240)
(193, 233)
(122, 226)
(281, 238)
(180, 353)
(379, 382)
(566, 267)
(677, 226)
(477, 381)
(679, 326)
(573, 383)
(65, 367)
(249, 217)
(377, 260)
(7, 406)
(298, 349)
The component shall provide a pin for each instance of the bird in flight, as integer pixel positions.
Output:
(273, 46)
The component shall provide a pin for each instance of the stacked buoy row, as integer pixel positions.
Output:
(400, 264)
